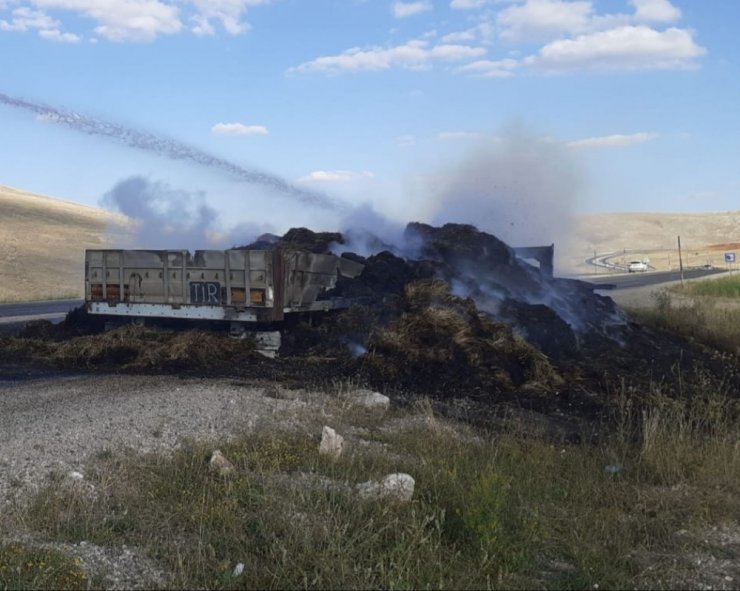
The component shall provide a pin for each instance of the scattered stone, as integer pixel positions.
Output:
(75, 476)
(332, 443)
(220, 464)
(371, 399)
(397, 487)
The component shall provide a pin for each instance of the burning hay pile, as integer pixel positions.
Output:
(454, 312)
(451, 312)
(442, 343)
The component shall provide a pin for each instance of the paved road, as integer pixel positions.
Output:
(54, 310)
(630, 280)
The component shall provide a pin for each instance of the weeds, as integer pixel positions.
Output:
(724, 287)
(703, 319)
(23, 567)
(500, 510)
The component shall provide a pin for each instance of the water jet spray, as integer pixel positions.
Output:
(173, 149)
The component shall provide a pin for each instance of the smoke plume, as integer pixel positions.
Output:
(518, 187)
(173, 149)
(169, 218)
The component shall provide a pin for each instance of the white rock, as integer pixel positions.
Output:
(396, 487)
(370, 399)
(220, 464)
(399, 486)
(331, 444)
(238, 569)
(376, 400)
(74, 475)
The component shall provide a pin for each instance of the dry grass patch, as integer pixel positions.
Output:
(42, 243)
(133, 348)
(704, 319)
(505, 510)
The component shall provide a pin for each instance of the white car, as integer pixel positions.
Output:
(637, 267)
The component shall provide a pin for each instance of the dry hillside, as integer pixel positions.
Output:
(704, 238)
(42, 243)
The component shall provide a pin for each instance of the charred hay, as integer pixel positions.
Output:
(452, 314)
(441, 344)
(133, 348)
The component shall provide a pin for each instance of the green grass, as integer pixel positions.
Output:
(24, 567)
(724, 287)
(506, 510)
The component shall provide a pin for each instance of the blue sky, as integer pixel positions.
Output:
(617, 105)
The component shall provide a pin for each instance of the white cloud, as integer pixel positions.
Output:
(538, 19)
(229, 12)
(458, 135)
(546, 20)
(415, 54)
(238, 129)
(453, 53)
(134, 20)
(334, 176)
(123, 20)
(623, 48)
(28, 19)
(661, 11)
(404, 9)
(56, 35)
(612, 141)
(484, 31)
(491, 68)
(467, 4)
(25, 19)
(460, 36)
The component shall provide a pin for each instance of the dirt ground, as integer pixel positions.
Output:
(705, 237)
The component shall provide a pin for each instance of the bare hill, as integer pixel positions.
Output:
(42, 243)
(704, 238)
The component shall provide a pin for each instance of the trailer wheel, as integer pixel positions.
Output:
(138, 321)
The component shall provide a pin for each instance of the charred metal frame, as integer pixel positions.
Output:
(544, 255)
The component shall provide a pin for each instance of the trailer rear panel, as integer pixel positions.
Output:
(234, 285)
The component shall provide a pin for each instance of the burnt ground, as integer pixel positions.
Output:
(452, 315)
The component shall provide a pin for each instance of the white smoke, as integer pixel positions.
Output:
(169, 218)
(367, 232)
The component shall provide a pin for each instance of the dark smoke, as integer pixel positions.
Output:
(170, 148)
(519, 187)
(168, 218)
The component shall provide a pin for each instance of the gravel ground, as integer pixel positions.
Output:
(55, 424)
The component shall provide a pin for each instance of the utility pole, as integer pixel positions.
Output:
(680, 260)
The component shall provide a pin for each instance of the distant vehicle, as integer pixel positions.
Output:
(637, 267)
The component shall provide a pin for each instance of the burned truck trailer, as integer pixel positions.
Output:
(236, 286)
